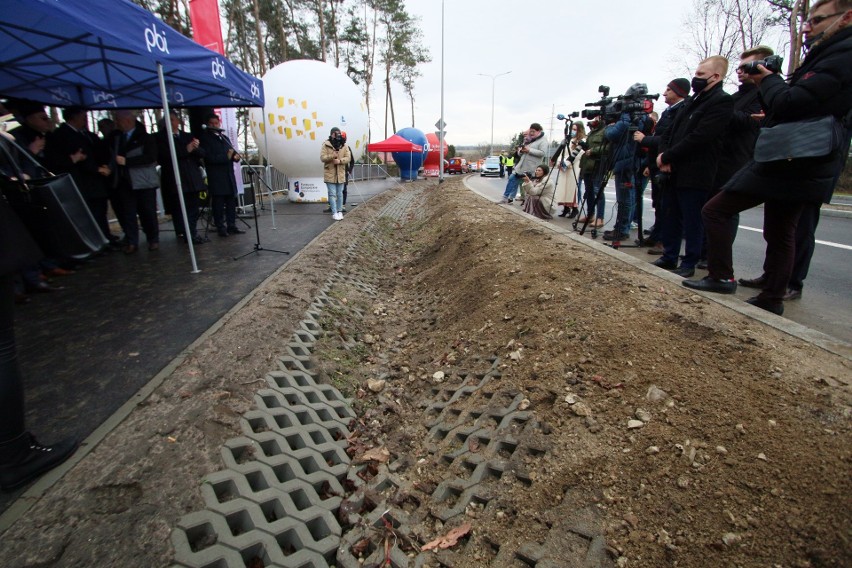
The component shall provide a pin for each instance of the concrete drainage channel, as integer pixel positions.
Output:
(288, 482)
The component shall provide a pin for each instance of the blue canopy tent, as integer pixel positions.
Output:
(111, 54)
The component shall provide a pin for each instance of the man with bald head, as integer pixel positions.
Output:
(691, 157)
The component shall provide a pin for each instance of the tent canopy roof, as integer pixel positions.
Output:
(395, 143)
(103, 54)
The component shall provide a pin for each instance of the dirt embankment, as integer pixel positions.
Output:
(682, 432)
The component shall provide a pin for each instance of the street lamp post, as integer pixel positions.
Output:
(493, 82)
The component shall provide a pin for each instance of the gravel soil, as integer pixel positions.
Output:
(679, 431)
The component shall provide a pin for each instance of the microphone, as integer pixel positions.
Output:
(560, 116)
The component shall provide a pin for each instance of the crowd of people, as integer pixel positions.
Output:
(710, 156)
(123, 168)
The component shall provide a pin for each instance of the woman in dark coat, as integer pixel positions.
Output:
(821, 87)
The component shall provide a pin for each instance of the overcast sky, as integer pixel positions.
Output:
(556, 55)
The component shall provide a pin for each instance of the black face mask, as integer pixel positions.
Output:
(336, 142)
(699, 84)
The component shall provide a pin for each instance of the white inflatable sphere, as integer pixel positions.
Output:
(304, 100)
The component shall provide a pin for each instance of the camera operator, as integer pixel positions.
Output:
(624, 157)
(591, 168)
(531, 153)
(676, 92)
(691, 157)
(820, 87)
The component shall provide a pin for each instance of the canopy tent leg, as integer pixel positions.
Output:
(167, 121)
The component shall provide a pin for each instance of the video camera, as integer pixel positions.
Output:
(635, 101)
(773, 63)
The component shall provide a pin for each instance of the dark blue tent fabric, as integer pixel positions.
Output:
(103, 54)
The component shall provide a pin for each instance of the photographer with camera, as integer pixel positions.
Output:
(786, 173)
(691, 157)
(539, 191)
(624, 158)
(676, 92)
(569, 177)
(531, 153)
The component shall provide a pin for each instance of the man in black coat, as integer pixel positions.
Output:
(677, 91)
(691, 158)
(133, 153)
(189, 155)
(820, 87)
(73, 149)
(219, 159)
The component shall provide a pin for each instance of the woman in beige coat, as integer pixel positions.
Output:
(569, 171)
(335, 156)
(539, 193)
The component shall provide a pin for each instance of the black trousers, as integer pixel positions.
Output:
(193, 206)
(11, 383)
(779, 231)
(225, 211)
(98, 207)
(141, 202)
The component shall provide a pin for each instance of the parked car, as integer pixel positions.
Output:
(472, 166)
(457, 166)
(491, 167)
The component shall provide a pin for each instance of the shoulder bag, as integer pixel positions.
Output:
(812, 138)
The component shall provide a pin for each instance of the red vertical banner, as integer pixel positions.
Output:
(206, 26)
(207, 31)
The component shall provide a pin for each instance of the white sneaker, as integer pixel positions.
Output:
(338, 216)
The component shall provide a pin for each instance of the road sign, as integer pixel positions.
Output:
(440, 125)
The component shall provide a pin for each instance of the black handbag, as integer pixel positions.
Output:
(53, 212)
(813, 138)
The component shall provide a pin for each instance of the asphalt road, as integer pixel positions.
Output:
(826, 304)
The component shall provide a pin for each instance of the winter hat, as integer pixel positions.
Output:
(333, 130)
(680, 87)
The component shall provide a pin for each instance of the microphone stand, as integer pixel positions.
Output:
(255, 177)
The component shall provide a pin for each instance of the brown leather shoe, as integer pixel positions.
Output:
(792, 294)
(130, 249)
(758, 282)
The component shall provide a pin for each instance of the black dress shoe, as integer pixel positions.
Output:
(613, 236)
(235, 231)
(222, 233)
(661, 263)
(758, 282)
(792, 294)
(574, 212)
(199, 240)
(685, 271)
(708, 284)
(23, 459)
(565, 211)
(776, 308)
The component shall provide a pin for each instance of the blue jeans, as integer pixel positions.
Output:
(626, 198)
(593, 185)
(335, 196)
(511, 187)
(683, 222)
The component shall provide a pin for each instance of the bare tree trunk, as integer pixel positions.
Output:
(261, 52)
(321, 18)
(793, 62)
(390, 102)
(335, 38)
(412, 110)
